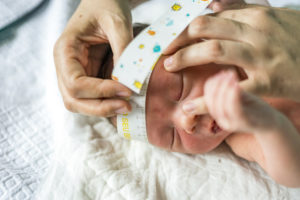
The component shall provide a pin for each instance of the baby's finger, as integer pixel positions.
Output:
(216, 51)
(195, 107)
(210, 27)
(211, 93)
(231, 103)
(222, 99)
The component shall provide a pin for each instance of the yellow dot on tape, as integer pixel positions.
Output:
(138, 84)
(142, 46)
(176, 7)
(115, 78)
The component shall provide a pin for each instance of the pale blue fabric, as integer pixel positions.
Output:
(13, 10)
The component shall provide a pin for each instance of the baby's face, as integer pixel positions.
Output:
(167, 124)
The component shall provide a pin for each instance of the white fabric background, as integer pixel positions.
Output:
(280, 3)
(90, 162)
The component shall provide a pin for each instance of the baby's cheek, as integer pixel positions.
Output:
(197, 145)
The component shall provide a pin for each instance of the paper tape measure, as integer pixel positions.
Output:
(139, 58)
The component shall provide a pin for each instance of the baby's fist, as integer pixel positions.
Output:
(233, 109)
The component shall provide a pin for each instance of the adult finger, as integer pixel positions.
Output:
(78, 85)
(241, 13)
(211, 27)
(119, 34)
(98, 107)
(216, 51)
(89, 87)
(218, 6)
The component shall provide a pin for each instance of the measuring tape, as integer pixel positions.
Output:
(137, 62)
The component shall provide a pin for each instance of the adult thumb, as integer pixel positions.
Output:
(119, 36)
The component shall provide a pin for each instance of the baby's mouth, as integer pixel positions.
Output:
(215, 128)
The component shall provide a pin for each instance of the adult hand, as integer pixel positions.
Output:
(220, 5)
(80, 53)
(264, 41)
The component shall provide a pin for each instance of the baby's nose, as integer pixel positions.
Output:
(185, 121)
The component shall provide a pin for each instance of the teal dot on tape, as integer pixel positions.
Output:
(188, 14)
(157, 48)
(170, 22)
(122, 66)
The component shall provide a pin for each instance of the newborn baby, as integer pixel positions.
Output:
(170, 128)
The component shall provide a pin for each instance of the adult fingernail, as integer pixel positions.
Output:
(189, 107)
(122, 111)
(168, 63)
(123, 94)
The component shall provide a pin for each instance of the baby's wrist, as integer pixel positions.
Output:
(278, 123)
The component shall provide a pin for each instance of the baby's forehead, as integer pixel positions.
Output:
(163, 83)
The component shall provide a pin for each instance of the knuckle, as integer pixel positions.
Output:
(59, 45)
(247, 56)
(177, 58)
(65, 45)
(200, 24)
(262, 13)
(105, 110)
(73, 87)
(119, 21)
(69, 105)
(106, 89)
(215, 48)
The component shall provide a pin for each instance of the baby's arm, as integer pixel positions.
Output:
(274, 142)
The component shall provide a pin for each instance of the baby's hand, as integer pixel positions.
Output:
(233, 109)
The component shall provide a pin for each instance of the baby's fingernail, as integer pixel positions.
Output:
(189, 107)
(168, 63)
(122, 111)
(123, 94)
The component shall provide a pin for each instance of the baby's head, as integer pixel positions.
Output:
(168, 127)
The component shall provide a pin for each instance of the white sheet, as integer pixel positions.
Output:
(90, 161)
(26, 126)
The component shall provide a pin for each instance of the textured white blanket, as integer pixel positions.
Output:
(93, 162)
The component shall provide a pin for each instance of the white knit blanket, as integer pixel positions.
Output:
(93, 162)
